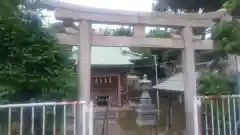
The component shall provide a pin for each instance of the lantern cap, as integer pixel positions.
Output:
(145, 80)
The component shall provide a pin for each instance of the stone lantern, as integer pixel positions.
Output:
(146, 112)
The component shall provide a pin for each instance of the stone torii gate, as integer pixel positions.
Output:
(186, 42)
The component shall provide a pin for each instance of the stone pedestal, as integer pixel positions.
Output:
(146, 112)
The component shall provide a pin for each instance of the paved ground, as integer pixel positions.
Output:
(113, 128)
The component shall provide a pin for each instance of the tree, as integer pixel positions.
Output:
(31, 63)
(195, 5)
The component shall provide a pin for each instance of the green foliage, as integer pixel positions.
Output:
(226, 36)
(195, 5)
(215, 83)
(9, 8)
(121, 31)
(232, 6)
(158, 33)
(31, 62)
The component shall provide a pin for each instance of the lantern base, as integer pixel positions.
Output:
(145, 123)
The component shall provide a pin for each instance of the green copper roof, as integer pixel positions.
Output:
(107, 56)
(173, 83)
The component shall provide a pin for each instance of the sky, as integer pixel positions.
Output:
(128, 5)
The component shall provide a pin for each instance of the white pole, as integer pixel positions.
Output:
(238, 88)
(156, 77)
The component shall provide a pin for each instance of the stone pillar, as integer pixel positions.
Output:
(190, 86)
(84, 61)
(138, 30)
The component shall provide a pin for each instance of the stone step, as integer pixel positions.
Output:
(109, 114)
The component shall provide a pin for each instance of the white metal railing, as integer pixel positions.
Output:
(220, 115)
(48, 118)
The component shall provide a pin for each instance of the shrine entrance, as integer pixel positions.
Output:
(103, 88)
(186, 41)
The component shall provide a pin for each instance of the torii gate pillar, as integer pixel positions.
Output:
(84, 61)
(190, 86)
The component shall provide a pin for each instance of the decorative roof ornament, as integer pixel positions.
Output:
(127, 51)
